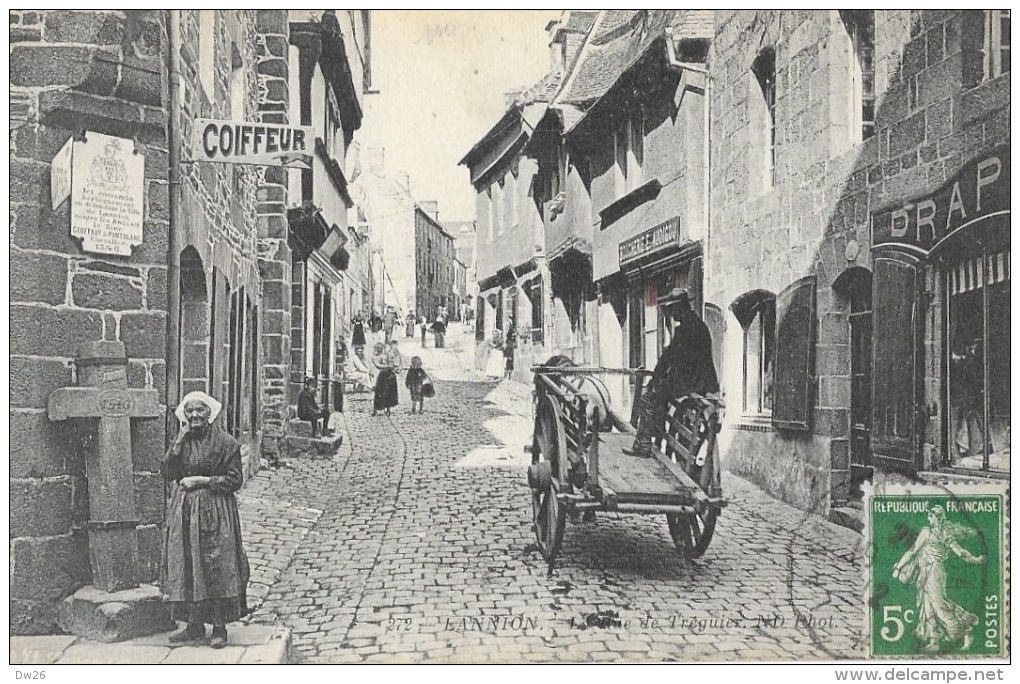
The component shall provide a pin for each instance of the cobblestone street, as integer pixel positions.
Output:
(414, 544)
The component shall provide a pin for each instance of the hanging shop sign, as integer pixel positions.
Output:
(979, 191)
(263, 144)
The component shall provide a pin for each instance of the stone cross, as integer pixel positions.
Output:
(103, 395)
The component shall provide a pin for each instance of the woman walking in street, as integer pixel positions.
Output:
(385, 382)
(204, 571)
(509, 345)
(358, 336)
(494, 363)
(439, 329)
(375, 326)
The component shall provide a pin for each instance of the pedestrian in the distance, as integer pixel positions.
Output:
(419, 384)
(204, 571)
(439, 329)
(424, 325)
(385, 381)
(358, 328)
(509, 345)
(389, 322)
(409, 324)
(375, 326)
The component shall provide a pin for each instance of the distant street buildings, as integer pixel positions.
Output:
(830, 187)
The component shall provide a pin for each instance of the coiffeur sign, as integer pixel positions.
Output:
(979, 191)
(264, 144)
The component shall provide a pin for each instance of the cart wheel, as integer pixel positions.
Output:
(548, 515)
(692, 532)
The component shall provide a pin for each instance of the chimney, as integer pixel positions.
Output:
(511, 95)
(557, 62)
(403, 180)
(430, 207)
(375, 158)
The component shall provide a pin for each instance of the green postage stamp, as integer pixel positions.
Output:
(937, 580)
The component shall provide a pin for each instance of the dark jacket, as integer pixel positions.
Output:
(307, 407)
(686, 365)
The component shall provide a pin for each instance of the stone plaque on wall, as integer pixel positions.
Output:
(107, 194)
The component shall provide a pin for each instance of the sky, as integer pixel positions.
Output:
(441, 75)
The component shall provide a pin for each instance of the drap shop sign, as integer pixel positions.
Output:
(263, 144)
(980, 190)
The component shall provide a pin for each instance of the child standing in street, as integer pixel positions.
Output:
(416, 381)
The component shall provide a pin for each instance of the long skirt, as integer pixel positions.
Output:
(494, 365)
(358, 338)
(204, 571)
(385, 390)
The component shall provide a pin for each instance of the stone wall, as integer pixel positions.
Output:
(828, 184)
(98, 72)
(274, 257)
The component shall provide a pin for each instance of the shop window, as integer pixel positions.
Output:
(764, 69)
(511, 199)
(235, 360)
(537, 315)
(636, 328)
(860, 25)
(497, 206)
(979, 367)
(795, 325)
(716, 324)
(252, 363)
(756, 312)
(628, 151)
(996, 43)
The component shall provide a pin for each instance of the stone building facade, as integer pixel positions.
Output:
(510, 264)
(97, 72)
(640, 149)
(203, 303)
(433, 264)
(384, 197)
(833, 326)
(326, 91)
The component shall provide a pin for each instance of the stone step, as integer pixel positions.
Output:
(313, 447)
(849, 517)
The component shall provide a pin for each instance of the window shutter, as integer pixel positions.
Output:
(716, 324)
(795, 334)
(895, 428)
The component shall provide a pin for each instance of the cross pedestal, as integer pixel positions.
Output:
(105, 610)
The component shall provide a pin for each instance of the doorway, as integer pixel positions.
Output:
(855, 285)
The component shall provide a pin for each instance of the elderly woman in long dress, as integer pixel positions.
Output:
(204, 571)
(385, 382)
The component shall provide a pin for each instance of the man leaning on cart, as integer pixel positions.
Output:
(685, 368)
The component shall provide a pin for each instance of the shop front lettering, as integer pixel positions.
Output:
(979, 190)
(251, 143)
(662, 235)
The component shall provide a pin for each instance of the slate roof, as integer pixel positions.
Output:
(619, 38)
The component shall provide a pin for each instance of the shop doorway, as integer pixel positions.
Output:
(861, 468)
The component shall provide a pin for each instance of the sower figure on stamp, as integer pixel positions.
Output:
(204, 571)
(685, 367)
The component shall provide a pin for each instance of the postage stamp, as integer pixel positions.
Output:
(936, 575)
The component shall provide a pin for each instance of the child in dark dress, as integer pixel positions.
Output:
(416, 378)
